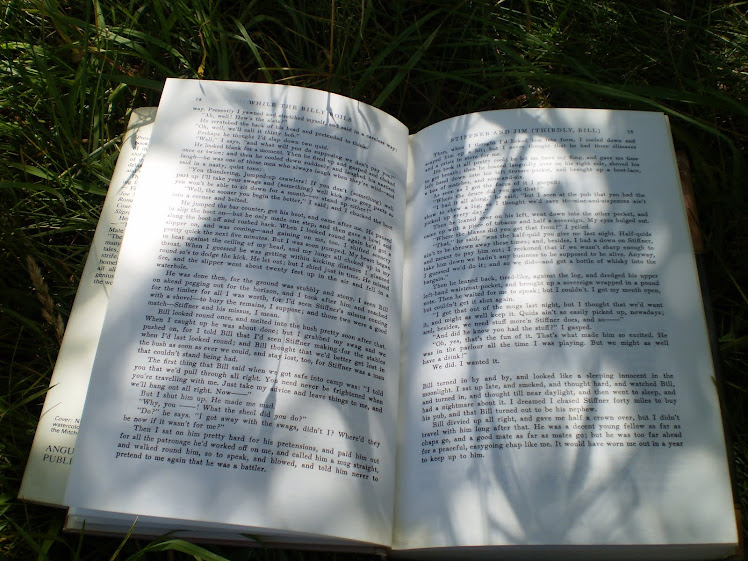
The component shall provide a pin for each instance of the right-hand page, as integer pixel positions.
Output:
(558, 381)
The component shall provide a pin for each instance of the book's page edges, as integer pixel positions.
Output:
(101, 523)
(699, 247)
(52, 452)
(663, 552)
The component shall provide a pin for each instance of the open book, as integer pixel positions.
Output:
(325, 331)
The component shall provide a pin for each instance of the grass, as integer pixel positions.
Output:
(72, 72)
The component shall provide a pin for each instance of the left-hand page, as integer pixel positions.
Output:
(248, 367)
(51, 454)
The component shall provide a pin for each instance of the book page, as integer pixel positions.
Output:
(247, 373)
(52, 452)
(559, 381)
